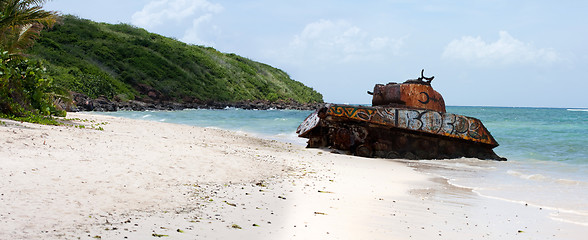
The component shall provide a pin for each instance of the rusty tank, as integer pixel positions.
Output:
(406, 120)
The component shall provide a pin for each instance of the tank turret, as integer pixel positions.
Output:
(414, 93)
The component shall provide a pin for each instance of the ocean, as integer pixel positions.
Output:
(547, 167)
(546, 148)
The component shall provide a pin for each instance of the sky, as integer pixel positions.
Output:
(524, 53)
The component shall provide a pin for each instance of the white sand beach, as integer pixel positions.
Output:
(145, 180)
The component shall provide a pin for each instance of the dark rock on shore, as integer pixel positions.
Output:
(82, 102)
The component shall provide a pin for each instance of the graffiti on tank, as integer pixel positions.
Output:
(426, 97)
(309, 123)
(448, 124)
(359, 113)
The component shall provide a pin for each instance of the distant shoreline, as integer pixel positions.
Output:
(102, 104)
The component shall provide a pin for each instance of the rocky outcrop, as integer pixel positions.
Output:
(82, 102)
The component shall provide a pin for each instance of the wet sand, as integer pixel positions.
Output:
(138, 180)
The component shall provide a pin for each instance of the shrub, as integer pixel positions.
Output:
(25, 90)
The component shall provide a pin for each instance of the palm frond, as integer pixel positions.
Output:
(27, 36)
(21, 21)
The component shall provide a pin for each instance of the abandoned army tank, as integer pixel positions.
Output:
(406, 120)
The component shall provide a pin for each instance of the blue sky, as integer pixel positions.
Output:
(482, 52)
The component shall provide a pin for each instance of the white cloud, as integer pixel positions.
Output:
(192, 34)
(169, 13)
(158, 12)
(340, 41)
(505, 51)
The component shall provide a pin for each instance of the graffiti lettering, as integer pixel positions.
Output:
(426, 97)
(365, 114)
(461, 124)
(428, 121)
(432, 121)
(414, 120)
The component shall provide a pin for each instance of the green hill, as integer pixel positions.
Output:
(120, 61)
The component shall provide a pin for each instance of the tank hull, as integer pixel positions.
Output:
(392, 132)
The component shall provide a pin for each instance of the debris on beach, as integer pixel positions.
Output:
(406, 120)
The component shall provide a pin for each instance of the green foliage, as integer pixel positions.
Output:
(33, 118)
(21, 21)
(93, 124)
(100, 59)
(26, 93)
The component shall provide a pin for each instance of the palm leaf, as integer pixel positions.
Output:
(21, 21)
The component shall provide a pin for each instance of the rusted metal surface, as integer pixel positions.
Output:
(420, 96)
(406, 120)
(426, 121)
(414, 93)
(309, 123)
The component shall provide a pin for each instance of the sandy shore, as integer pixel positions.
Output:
(144, 180)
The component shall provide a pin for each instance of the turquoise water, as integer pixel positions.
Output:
(546, 134)
(546, 148)
(271, 124)
(547, 167)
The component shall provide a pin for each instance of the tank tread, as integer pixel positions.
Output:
(368, 140)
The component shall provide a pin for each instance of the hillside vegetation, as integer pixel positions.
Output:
(123, 62)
